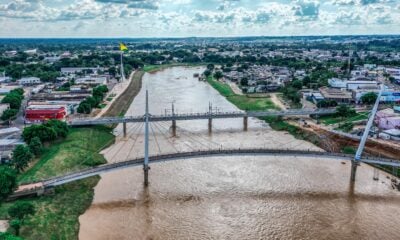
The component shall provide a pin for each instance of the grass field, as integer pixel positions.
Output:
(332, 119)
(241, 101)
(57, 214)
(79, 150)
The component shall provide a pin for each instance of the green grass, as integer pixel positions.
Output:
(57, 214)
(333, 119)
(241, 101)
(79, 150)
(103, 105)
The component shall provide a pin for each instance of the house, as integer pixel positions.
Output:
(391, 134)
(353, 85)
(73, 70)
(389, 122)
(37, 113)
(92, 80)
(337, 83)
(316, 97)
(29, 81)
(337, 95)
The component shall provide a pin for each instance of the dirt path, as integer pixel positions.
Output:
(277, 102)
(235, 88)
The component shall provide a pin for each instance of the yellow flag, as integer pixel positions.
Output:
(123, 47)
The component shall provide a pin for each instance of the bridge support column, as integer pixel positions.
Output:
(210, 125)
(174, 128)
(354, 166)
(146, 167)
(245, 123)
(124, 129)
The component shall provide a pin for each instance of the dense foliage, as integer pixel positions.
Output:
(93, 101)
(8, 181)
(46, 132)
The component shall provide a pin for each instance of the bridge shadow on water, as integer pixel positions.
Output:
(147, 199)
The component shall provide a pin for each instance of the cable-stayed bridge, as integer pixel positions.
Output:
(145, 120)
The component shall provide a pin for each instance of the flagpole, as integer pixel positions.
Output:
(122, 68)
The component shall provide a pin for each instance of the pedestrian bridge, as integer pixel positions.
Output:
(75, 176)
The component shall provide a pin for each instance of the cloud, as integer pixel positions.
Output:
(306, 9)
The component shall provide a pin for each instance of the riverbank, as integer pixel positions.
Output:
(156, 68)
(246, 103)
(121, 104)
(57, 214)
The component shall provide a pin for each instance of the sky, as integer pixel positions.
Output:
(197, 18)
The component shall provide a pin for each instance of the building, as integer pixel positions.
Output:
(316, 97)
(333, 94)
(29, 81)
(391, 134)
(36, 114)
(389, 123)
(74, 70)
(337, 83)
(92, 80)
(351, 85)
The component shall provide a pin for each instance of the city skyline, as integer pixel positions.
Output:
(190, 18)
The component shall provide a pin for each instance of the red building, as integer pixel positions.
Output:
(41, 114)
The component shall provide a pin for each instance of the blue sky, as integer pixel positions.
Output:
(185, 18)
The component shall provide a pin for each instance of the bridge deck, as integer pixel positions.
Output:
(209, 153)
(197, 116)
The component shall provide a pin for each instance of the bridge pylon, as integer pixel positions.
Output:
(173, 121)
(357, 158)
(146, 167)
(210, 118)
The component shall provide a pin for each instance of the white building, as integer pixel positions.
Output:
(391, 134)
(73, 70)
(92, 80)
(29, 81)
(337, 83)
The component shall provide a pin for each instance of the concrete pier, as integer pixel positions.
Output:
(124, 129)
(245, 123)
(210, 125)
(174, 128)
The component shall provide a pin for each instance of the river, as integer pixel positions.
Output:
(230, 197)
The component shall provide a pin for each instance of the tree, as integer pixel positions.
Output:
(44, 132)
(210, 67)
(344, 110)
(36, 146)
(20, 210)
(9, 114)
(207, 73)
(8, 236)
(218, 75)
(244, 81)
(297, 84)
(84, 107)
(16, 225)
(21, 157)
(369, 98)
(60, 127)
(8, 181)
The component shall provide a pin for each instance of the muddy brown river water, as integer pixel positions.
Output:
(230, 197)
